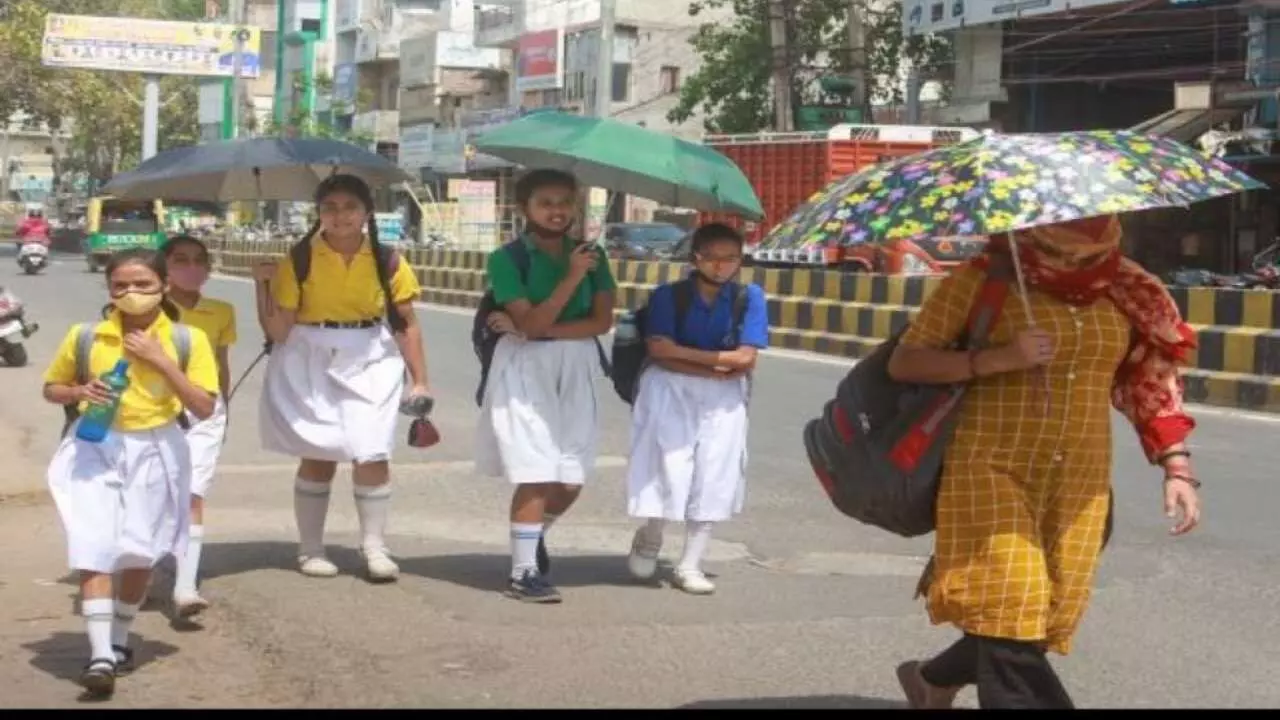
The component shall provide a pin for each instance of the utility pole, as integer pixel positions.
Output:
(238, 13)
(150, 116)
(782, 116)
(604, 63)
(858, 59)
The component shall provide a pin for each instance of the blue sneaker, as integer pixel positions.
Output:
(533, 588)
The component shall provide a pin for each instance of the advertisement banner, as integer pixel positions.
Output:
(920, 17)
(538, 61)
(345, 82)
(390, 226)
(152, 47)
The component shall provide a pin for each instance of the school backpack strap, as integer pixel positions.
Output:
(85, 333)
(483, 340)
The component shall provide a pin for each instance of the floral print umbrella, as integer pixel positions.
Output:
(1001, 183)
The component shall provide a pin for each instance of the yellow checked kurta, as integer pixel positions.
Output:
(1024, 493)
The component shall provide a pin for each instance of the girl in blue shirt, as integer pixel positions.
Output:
(689, 420)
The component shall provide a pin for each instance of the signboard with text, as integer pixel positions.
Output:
(538, 61)
(921, 17)
(153, 47)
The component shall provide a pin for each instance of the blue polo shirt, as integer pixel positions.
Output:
(710, 326)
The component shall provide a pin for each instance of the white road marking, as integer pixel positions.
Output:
(820, 359)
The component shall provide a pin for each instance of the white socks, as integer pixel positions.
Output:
(698, 535)
(98, 614)
(524, 548)
(371, 505)
(124, 616)
(189, 564)
(310, 506)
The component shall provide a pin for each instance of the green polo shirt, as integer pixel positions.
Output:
(545, 273)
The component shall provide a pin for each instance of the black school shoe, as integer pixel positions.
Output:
(99, 678)
(533, 588)
(124, 660)
(544, 560)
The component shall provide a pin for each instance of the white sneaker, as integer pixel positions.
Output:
(189, 604)
(380, 565)
(692, 582)
(317, 566)
(643, 560)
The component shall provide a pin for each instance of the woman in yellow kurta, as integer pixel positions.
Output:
(124, 501)
(1025, 492)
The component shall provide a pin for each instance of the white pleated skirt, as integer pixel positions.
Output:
(688, 447)
(205, 437)
(333, 394)
(124, 503)
(539, 421)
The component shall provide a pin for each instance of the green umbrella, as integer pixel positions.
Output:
(625, 158)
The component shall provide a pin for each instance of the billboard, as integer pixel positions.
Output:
(539, 56)
(920, 17)
(153, 47)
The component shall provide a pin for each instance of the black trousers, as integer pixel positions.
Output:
(1010, 674)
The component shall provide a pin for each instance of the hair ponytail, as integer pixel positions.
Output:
(397, 323)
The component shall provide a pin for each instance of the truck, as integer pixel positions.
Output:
(789, 169)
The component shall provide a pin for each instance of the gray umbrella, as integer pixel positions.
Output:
(255, 169)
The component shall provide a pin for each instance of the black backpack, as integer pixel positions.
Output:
(631, 352)
(483, 340)
(877, 449)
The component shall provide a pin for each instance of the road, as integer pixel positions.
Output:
(813, 610)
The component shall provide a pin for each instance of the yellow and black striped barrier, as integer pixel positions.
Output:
(847, 314)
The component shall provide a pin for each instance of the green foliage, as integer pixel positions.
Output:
(101, 110)
(732, 86)
(301, 123)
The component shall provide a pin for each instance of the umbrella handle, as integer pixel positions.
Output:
(1031, 319)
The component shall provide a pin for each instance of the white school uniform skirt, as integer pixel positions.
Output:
(333, 394)
(688, 447)
(205, 437)
(538, 421)
(125, 502)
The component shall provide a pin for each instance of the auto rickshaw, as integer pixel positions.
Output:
(112, 225)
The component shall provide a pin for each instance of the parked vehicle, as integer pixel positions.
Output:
(33, 257)
(790, 169)
(14, 329)
(641, 241)
(114, 225)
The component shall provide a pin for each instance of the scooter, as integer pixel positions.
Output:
(33, 257)
(14, 329)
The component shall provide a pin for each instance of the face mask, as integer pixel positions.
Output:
(136, 303)
(190, 277)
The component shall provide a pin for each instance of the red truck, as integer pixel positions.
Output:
(786, 169)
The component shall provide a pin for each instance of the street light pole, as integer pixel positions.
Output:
(150, 116)
(604, 63)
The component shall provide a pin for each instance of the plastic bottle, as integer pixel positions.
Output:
(625, 330)
(96, 421)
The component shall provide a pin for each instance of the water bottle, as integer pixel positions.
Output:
(96, 421)
(625, 331)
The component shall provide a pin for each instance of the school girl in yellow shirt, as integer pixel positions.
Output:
(187, 260)
(125, 502)
(335, 378)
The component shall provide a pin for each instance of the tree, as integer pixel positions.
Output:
(100, 110)
(300, 122)
(732, 86)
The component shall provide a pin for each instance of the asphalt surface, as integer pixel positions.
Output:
(813, 610)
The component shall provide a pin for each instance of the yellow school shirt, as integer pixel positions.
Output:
(337, 292)
(216, 318)
(149, 402)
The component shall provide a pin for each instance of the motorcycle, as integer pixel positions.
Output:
(14, 329)
(33, 257)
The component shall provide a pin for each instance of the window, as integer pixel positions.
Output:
(621, 82)
(669, 79)
(267, 50)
